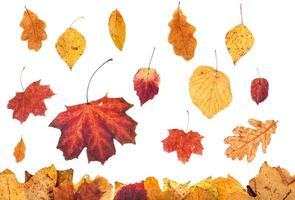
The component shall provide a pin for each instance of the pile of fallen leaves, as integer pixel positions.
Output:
(271, 183)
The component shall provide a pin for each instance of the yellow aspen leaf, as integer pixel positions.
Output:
(246, 140)
(19, 151)
(210, 90)
(181, 35)
(227, 186)
(33, 30)
(70, 46)
(117, 29)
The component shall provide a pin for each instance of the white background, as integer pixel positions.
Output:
(271, 22)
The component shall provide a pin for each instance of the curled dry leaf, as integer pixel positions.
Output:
(246, 140)
(31, 100)
(33, 30)
(19, 151)
(210, 90)
(95, 125)
(239, 40)
(117, 29)
(146, 84)
(70, 46)
(183, 143)
(259, 90)
(181, 36)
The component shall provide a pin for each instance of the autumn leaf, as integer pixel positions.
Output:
(117, 29)
(132, 192)
(10, 188)
(146, 83)
(227, 186)
(259, 90)
(181, 35)
(65, 191)
(246, 140)
(239, 40)
(70, 45)
(210, 90)
(154, 192)
(19, 151)
(31, 100)
(33, 30)
(209, 185)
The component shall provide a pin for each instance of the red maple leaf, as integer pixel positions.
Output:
(183, 143)
(31, 100)
(259, 90)
(95, 125)
(134, 191)
(146, 84)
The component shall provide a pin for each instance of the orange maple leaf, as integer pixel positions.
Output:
(31, 100)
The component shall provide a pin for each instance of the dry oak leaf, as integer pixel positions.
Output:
(31, 100)
(117, 29)
(134, 191)
(146, 84)
(70, 46)
(33, 30)
(19, 151)
(210, 90)
(246, 140)
(227, 186)
(10, 188)
(272, 184)
(259, 90)
(95, 125)
(183, 143)
(181, 36)
(239, 40)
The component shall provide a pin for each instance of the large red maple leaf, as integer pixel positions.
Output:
(183, 143)
(95, 125)
(31, 100)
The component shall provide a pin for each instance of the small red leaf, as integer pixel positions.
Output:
(30, 101)
(259, 90)
(95, 125)
(146, 84)
(134, 191)
(183, 143)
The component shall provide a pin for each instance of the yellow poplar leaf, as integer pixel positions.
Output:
(209, 185)
(19, 151)
(70, 46)
(239, 40)
(181, 36)
(117, 29)
(227, 186)
(210, 90)
(10, 188)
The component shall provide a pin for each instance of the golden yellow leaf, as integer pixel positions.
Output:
(239, 196)
(178, 189)
(227, 186)
(10, 188)
(181, 36)
(239, 40)
(117, 29)
(33, 30)
(210, 90)
(246, 140)
(199, 194)
(70, 46)
(19, 151)
(154, 191)
(209, 185)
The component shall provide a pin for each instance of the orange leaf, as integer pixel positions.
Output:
(33, 30)
(19, 151)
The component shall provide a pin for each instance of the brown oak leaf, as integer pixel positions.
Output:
(95, 125)
(246, 140)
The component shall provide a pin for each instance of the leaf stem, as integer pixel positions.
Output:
(21, 78)
(258, 72)
(150, 62)
(216, 60)
(81, 17)
(188, 118)
(87, 90)
(241, 12)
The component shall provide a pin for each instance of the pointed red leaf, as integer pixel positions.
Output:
(95, 125)
(30, 101)
(259, 90)
(146, 84)
(134, 191)
(183, 143)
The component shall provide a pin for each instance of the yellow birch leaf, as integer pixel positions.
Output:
(117, 29)
(210, 90)
(70, 46)
(181, 35)
(19, 151)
